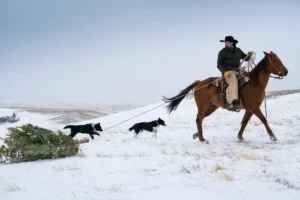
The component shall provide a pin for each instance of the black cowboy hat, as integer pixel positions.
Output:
(229, 39)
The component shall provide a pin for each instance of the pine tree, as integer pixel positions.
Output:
(29, 143)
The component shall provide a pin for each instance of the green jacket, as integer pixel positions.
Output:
(229, 59)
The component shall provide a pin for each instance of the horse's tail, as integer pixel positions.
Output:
(173, 102)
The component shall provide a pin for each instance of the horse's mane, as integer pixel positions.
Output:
(254, 74)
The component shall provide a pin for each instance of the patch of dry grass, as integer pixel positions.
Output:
(265, 168)
(164, 152)
(81, 154)
(228, 152)
(197, 167)
(189, 170)
(187, 153)
(64, 168)
(10, 187)
(286, 183)
(149, 170)
(251, 156)
(297, 131)
(218, 167)
(125, 155)
(197, 156)
(103, 155)
(185, 170)
(266, 158)
(226, 176)
(113, 188)
(236, 155)
(289, 121)
(255, 123)
(13, 188)
(279, 123)
(297, 117)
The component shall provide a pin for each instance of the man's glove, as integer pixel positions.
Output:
(226, 74)
(250, 53)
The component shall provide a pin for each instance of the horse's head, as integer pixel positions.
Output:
(274, 65)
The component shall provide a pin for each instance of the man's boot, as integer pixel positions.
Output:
(237, 104)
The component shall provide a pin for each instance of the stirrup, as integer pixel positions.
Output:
(231, 107)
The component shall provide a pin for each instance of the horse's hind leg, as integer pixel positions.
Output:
(211, 108)
(199, 127)
(199, 121)
(244, 123)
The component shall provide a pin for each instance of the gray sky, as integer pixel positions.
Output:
(108, 52)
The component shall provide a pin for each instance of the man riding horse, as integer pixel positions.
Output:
(228, 63)
(207, 92)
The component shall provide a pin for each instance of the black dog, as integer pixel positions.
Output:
(86, 129)
(147, 126)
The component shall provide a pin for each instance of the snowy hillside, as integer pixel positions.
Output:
(69, 113)
(173, 166)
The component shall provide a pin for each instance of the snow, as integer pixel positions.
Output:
(117, 166)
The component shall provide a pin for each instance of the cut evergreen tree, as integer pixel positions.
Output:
(29, 143)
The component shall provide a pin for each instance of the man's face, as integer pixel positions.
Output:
(228, 44)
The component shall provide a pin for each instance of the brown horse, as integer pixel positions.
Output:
(207, 97)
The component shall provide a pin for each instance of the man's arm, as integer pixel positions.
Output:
(221, 60)
(244, 56)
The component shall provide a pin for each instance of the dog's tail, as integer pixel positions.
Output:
(69, 126)
(130, 129)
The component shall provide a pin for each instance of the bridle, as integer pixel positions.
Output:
(271, 63)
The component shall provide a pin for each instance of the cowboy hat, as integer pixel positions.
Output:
(229, 39)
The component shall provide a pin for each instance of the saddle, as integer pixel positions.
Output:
(221, 83)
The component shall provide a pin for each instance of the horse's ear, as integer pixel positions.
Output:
(272, 53)
(266, 54)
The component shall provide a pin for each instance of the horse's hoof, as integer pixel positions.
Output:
(204, 141)
(241, 139)
(273, 138)
(195, 136)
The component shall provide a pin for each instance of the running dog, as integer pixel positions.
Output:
(147, 126)
(90, 129)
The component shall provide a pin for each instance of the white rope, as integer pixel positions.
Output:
(248, 66)
(193, 92)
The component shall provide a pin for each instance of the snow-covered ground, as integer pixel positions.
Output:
(173, 166)
(68, 113)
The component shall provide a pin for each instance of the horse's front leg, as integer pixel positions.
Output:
(262, 118)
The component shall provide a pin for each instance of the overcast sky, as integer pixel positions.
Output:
(108, 52)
